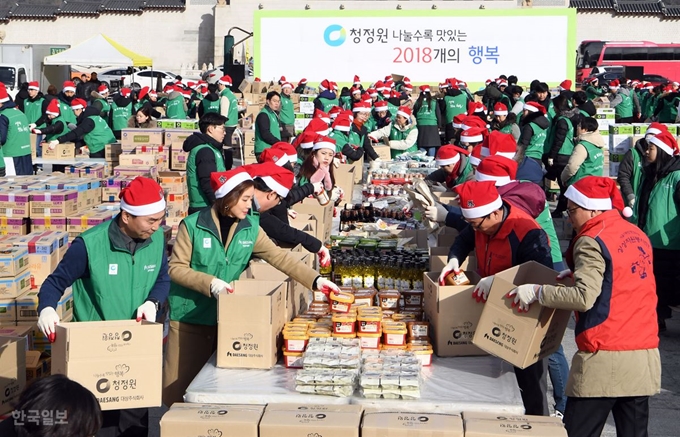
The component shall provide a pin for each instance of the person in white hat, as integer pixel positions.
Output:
(201, 272)
(401, 133)
(319, 167)
(613, 264)
(35, 105)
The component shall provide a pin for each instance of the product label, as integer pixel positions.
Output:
(419, 330)
(370, 343)
(344, 327)
(369, 281)
(371, 327)
(296, 345)
(395, 339)
(388, 302)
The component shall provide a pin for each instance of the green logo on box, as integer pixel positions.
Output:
(141, 139)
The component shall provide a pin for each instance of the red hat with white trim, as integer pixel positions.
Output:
(355, 90)
(424, 88)
(476, 107)
(333, 113)
(125, 92)
(500, 109)
(365, 97)
(534, 107)
(478, 199)
(404, 111)
(499, 169)
(502, 82)
(666, 142)
(614, 84)
(476, 155)
(487, 82)
(406, 81)
(325, 85)
(224, 182)
(318, 126)
(372, 92)
(473, 121)
(342, 123)
(34, 86)
(283, 79)
(318, 113)
(4, 96)
(407, 87)
(288, 150)
(357, 81)
(78, 104)
(303, 81)
(449, 154)
(381, 106)
(286, 85)
(565, 85)
(322, 142)
(142, 197)
(443, 85)
(153, 93)
(362, 107)
(347, 113)
(306, 139)
(225, 80)
(103, 89)
(502, 144)
(379, 86)
(142, 93)
(472, 135)
(278, 179)
(597, 193)
(271, 154)
(461, 84)
(458, 120)
(395, 94)
(192, 85)
(69, 86)
(53, 107)
(389, 84)
(655, 128)
(453, 83)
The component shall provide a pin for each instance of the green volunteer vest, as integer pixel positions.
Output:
(669, 110)
(120, 116)
(455, 105)
(119, 282)
(328, 103)
(100, 136)
(663, 223)
(341, 139)
(105, 107)
(647, 110)
(625, 108)
(427, 115)
(66, 112)
(33, 109)
(260, 144)
(392, 109)
(464, 173)
(398, 135)
(370, 124)
(592, 92)
(507, 129)
(197, 198)
(18, 134)
(232, 115)
(535, 147)
(346, 102)
(56, 135)
(175, 108)
(636, 179)
(592, 166)
(209, 256)
(210, 106)
(545, 221)
(287, 112)
(568, 144)
(138, 105)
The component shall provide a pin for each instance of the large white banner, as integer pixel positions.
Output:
(427, 46)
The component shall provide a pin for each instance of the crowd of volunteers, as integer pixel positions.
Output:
(494, 148)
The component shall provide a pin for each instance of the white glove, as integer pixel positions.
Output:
(407, 207)
(218, 285)
(318, 186)
(36, 131)
(336, 194)
(292, 213)
(324, 257)
(325, 286)
(52, 144)
(147, 311)
(436, 213)
(565, 274)
(46, 322)
(481, 291)
(336, 162)
(524, 295)
(438, 188)
(550, 162)
(84, 150)
(32, 126)
(451, 266)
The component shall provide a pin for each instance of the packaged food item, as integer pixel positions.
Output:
(341, 302)
(389, 300)
(369, 340)
(418, 329)
(292, 360)
(369, 322)
(412, 298)
(295, 340)
(344, 324)
(319, 333)
(394, 334)
(454, 278)
(364, 297)
(424, 354)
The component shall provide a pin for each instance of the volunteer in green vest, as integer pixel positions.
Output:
(100, 101)
(454, 167)
(620, 100)
(287, 114)
(359, 133)
(65, 97)
(587, 157)
(91, 130)
(380, 116)
(175, 106)
(54, 124)
(213, 248)
(667, 105)
(533, 128)
(503, 121)
(120, 112)
(267, 124)
(229, 110)
(428, 117)
(657, 205)
(15, 138)
(455, 102)
(35, 104)
(593, 89)
(347, 142)
(211, 101)
(401, 135)
(327, 97)
(205, 157)
(118, 271)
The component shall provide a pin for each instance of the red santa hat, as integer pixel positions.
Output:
(125, 92)
(407, 88)
(406, 81)
(142, 93)
(153, 93)
(614, 84)
(476, 107)
(334, 86)
(103, 89)
(405, 112)
(502, 82)
(318, 113)
(357, 81)
(318, 126)
(224, 182)
(225, 80)
(666, 142)
(192, 85)
(34, 86)
(473, 121)
(472, 135)
(597, 193)
(342, 123)
(53, 107)
(361, 107)
(452, 83)
(502, 144)
(395, 94)
(282, 79)
(667, 89)
(379, 86)
(333, 113)
(347, 113)
(655, 128)
(372, 92)
(534, 107)
(287, 149)
(322, 142)
(186, 93)
(462, 84)
(424, 88)
(306, 139)
(324, 85)
(565, 85)
(458, 120)
(487, 82)
(449, 154)
(286, 85)
(499, 169)
(476, 155)
(69, 86)
(303, 81)
(355, 90)
(142, 197)
(389, 84)
(4, 96)
(478, 199)
(278, 179)
(78, 104)
(381, 106)
(500, 109)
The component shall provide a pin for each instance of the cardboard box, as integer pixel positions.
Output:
(446, 198)
(323, 214)
(520, 338)
(146, 159)
(34, 146)
(15, 203)
(176, 137)
(173, 181)
(305, 223)
(13, 226)
(249, 138)
(291, 420)
(211, 420)
(65, 151)
(439, 257)
(178, 159)
(80, 223)
(57, 203)
(120, 362)
(411, 425)
(13, 261)
(249, 155)
(131, 137)
(453, 315)
(493, 428)
(446, 237)
(504, 417)
(38, 365)
(27, 306)
(149, 171)
(112, 151)
(12, 371)
(40, 224)
(383, 151)
(249, 322)
(8, 311)
(13, 287)
(344, 178)
(43, 254)
(24, 331)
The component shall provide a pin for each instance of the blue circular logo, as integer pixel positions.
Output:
(335, 35)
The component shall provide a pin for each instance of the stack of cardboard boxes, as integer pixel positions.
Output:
(174, 185)
(622, 137)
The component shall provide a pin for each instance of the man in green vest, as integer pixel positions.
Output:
(53, 124)
(267, 124)
(175, 106)
(620, 100)
(533, 126)
(121, 111)
(455, 102)
(118, 271)
(228, 110)
(327, 97)
(99, 101)
(211, 101)
(91, 130)
(65, 97)
(35, 104)
(205, 157)
(287, 114)
(667, 107)
(15, 138)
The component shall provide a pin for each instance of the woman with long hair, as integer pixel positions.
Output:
(428, 117)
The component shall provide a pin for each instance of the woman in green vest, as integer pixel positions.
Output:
(454, 167)
(287, 113)
(455, 102)
(401, 135)
(587, 159)
(533, 128)
(142, 119)
(428, 116)
(91, 130)
(347, 142)
(505, 121)
(593, 89)
(213, 248)
(267, 124)
(120, 112)
(175, 105)
(55, 125)
(99, 101)
(657, 207)
(319, 167)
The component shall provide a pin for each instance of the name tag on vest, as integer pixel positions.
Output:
(207, 243)
(113, 269)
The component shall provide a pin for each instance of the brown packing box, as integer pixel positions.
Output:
(65, 151)
(383, 152)
(291, 420)
(10, 288)
(305, 223)
(178, 158)
(453, 315)
(34, 146)
(173, 181)
(146, 159)
(359, 170)
(323, 214)
(211, 420)
(38, 365)
(13, 260)
(27, 306)
(249, 322)
(249, 154)
(439, 257)
(112, 151)
(137, 137)
(344, 178)
(8, 311)
(505, 417)
(120, 362)
(249, 139)
(520, 338)
(12, 371)
(411, 425)
(245, 86)
(446, 198)
(495, 428)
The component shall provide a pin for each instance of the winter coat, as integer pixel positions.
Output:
(509, 125)
(589, 108)
(148, 124)
(630, 170)
(527, 196)
(560, 130)
(527, 131)
(580, 154)
(205, 162)
(398, 144)
(658, 204)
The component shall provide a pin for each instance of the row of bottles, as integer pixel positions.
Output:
(366, 213)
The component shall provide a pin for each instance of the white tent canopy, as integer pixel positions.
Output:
(98, 50)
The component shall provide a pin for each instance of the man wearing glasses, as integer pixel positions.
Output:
(502, 236)
(205, 157)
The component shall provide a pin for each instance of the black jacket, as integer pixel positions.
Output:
(284, 233)
(22, 95)
(262, 124)
(51, 126)
(64, 98)
(205, 161)
(589, 108)
(300, 89)
(211, 97)
(84, 125)
(525, 128)
(626, 169)
(369, 151)
(659, 106)
(451, 92)
(510, 119)
(561, 128)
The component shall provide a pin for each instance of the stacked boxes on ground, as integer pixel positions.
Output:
(622, 137)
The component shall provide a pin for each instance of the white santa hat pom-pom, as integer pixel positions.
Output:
(627, 212)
